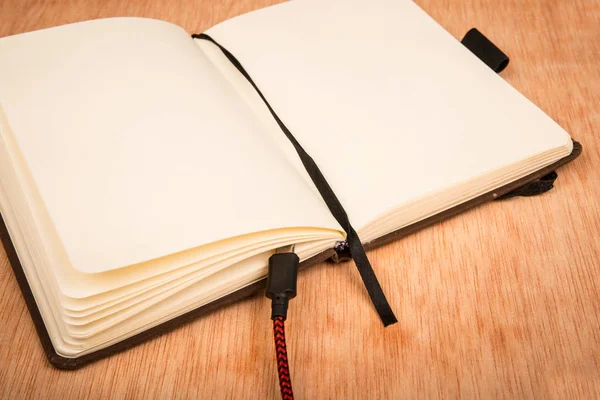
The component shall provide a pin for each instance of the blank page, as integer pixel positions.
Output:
(389, 104)
(137, 145)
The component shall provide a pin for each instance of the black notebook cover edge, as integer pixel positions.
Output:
(75, 363)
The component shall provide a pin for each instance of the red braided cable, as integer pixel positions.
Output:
(283, 368)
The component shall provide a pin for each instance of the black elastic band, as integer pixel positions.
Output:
(534, 188)
(485, 50)
(356, 248)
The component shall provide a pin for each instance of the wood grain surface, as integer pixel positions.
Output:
(500, 302)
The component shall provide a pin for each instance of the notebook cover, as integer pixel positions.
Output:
(75, 363)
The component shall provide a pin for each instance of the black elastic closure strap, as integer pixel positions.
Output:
(485, 50)
(534, 188)
(342, 252)
(335, 207)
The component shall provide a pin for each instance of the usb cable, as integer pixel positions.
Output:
(281, 287)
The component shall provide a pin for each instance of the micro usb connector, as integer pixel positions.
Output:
(281, 280)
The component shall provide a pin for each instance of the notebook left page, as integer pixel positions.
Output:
(138, 148)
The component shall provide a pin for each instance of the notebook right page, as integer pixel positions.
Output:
(394, 110)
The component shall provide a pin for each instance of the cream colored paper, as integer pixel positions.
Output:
(138, 147)
(391, 106)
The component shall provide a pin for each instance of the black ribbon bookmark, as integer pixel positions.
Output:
(335, 207)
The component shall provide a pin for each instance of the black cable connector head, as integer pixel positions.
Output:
(281, 282)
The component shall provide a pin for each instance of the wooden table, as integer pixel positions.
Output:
(502, 301)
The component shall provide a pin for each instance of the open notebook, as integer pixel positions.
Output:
(142, 176)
